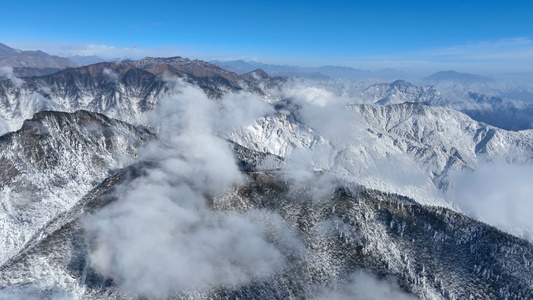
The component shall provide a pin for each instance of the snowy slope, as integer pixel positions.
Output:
(407, 148)
(322, 197)
(398, 92)
(482, 103)
(51, 162)
(427, 252)
(125, 90)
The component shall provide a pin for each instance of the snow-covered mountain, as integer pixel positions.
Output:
(417, 251)
(238, 186)
(500, 112)
(430, 141)
(124, 90)
(400, 91)
(409, 137)
(51, 162)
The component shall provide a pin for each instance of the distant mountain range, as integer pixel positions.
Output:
(482, 98)
(87, 60)
(37, 63)
(497, 111)
(334, 72)
(106, 87)
(453, 76)
(30, 63)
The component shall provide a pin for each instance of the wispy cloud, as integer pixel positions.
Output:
(511, 54)
(499, 194)
(513, 49)
(133, 51)
(7, 72)
(362, 285)
(161, 237)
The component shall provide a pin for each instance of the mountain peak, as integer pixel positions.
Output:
(29, 63)
(451, 75)
(256, 74)
(401, 84)
(86, 60)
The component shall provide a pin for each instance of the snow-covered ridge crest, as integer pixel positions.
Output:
(484, 105)
(125, 90)
(400, 91)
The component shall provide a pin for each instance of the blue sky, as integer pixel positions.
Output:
(365, 34)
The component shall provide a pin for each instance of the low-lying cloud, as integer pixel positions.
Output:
(322, 110)
(344, 149)
(7, 72)
(161, 236)
(363, 285)
(111, 74)
(498, 193)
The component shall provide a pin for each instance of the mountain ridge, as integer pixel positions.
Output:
(241, 67)
(500, 112)
(344, 237)
(451, 75)
(122, 90)
(32, 63)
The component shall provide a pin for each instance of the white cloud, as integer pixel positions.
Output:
(161, 237)
(322, 110)
(111, 74)
(499, 193)
(134, 51)
(362, 285)
(8, 73)
(513, 49)
(505, 55)
(240, 110)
